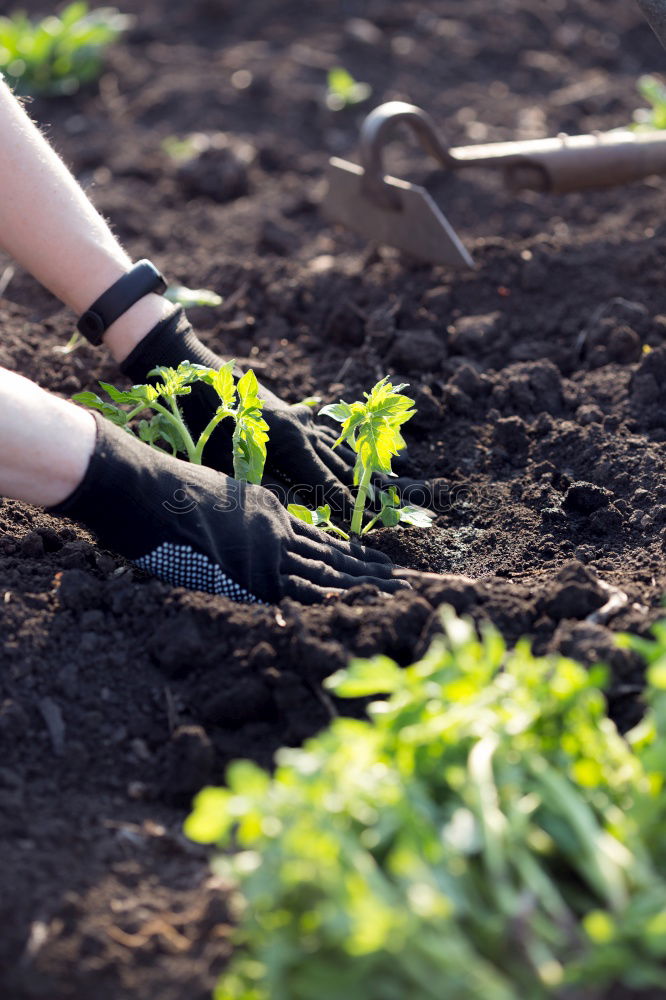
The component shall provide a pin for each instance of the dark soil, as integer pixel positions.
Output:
(540, 380)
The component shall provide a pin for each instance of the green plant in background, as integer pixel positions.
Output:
(187, 297)
(183, 149)
(239, 401)
(486, 835)
(344, 91)
(654, 117)
(179, 294)
(59, 53)
(372, 430)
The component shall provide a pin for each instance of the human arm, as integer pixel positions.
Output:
(188, 525)
(50, 227)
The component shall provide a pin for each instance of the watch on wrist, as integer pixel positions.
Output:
(140, 280)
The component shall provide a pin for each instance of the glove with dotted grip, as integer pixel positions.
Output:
(197, 528)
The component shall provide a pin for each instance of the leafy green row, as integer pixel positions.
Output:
(59, 53)
(486, 834)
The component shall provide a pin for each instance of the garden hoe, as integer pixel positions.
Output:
(655, 12)
(391, 211)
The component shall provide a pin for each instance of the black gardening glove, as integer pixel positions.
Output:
(301, 465)
(197, 528)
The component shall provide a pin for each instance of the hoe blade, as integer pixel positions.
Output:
(415, 225)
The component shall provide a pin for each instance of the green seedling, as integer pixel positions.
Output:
(372, 430)
(58, 54)
(484, 832)
(74, 341)
(319, 518)
(187, 297)
(393, 512)
(182, 150)
(310, 401)
(239, 401)
(654, 117)
(344, 91)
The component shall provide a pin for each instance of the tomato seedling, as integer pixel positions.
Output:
(239, 401)
(372, 430)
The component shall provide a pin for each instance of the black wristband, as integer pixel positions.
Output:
(142, 279)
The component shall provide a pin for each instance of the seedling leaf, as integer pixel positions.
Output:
(320, 518)
(223, 383)
(302, 513)
(118, 396)
(311, 401)
(366, 677)
(251, 431)
(93, 402)
(160, 428)
(390, 516)
(184, 296)
(416, 516)
(337, 411)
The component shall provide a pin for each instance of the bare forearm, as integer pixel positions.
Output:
(50, 227)
(46, 442)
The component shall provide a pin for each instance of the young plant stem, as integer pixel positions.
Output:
(333, 528)
(135, 412)
(371, 523)
(236, 450)
(359, 503)
(205, 434)
(176, 419)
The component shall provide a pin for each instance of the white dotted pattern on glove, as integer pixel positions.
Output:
(183, 566)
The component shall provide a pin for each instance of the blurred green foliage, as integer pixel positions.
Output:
(58, 54)
(344, 91)
(486, 835)
(654, 117)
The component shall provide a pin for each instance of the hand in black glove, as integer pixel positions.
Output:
(198, 528)
(299, 457)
